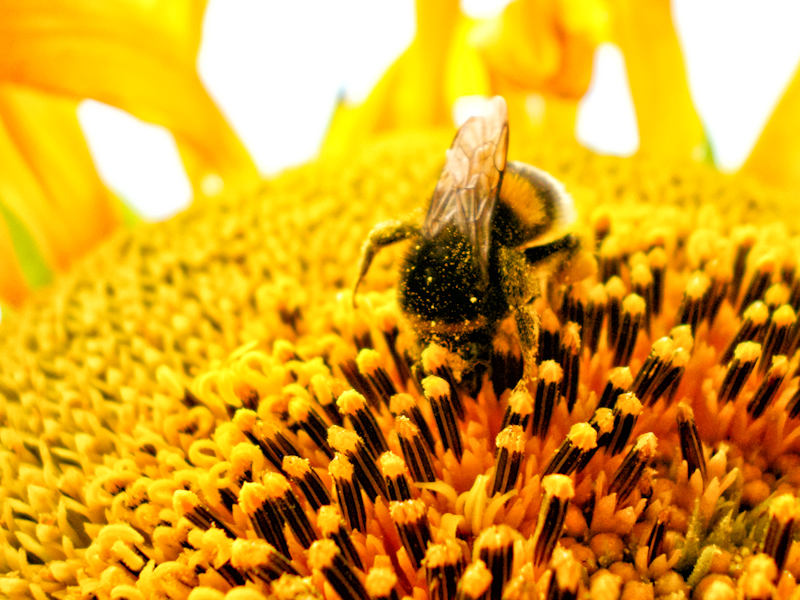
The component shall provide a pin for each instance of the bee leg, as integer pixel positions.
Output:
(383, 234)
(528, 329)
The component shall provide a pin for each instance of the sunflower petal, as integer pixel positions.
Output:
(775, 158)
(669, 127)
(134, 54)
(59, 192)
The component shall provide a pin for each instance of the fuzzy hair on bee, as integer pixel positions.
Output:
(489, 236)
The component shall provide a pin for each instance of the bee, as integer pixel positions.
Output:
(485, 242)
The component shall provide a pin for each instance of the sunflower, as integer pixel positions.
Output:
(197, 410)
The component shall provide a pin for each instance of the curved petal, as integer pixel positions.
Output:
(58, 194)
(669, 127)
(775, 158)
(412, 92)
(13, 283)
(134, 54)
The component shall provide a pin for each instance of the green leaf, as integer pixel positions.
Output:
(34, 266)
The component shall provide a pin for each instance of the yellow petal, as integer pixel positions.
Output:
(775, 158)
(13, 286)
(669, 127)
(134, 54)
(57, 192)
(411, 94)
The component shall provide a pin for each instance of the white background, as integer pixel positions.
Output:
(276, 69)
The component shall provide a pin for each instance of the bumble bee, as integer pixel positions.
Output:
(483, 245)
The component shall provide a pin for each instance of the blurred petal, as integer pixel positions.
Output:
(775, 158)
(669, 127)
(134, 54)
(13, 283)
(412, 92)
(59, 195)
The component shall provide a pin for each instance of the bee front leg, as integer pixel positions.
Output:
(383, 234)
(528, 328)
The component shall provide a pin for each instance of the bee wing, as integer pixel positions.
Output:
(466, 193)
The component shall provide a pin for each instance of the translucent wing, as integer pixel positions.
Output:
(466, 193)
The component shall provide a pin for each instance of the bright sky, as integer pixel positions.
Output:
(277, 68)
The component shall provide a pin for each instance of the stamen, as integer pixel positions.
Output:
(406, 405)
(444, 564)
(475, 582)
(691, 446)
(619, 380)
(550, 336)
(394, 471)
(744, 361)
(332, 527)
(547, 390)
(609, 259)
(570, 362)
(415, 452)
(695, 300)
(581, 439)
(642, 285)
(519, 409)
(655, 541)
(719, 274)
(260, 559)
(264, 515)
(187, 503)
(768, 387)
(510, 449)
(351, 445)
(266, 435)
(653, 370)
(657, 259)
(573, 307)
(359, 382)
(752, 329)
(348, 493)
(507, 365)
(602, 422)
(307, 479)
(762, 275)
(779, 336)
(437, 391)
(632, 310)
(283, 499)
(745, 238)
(776, 295)
(616, 292)
(321, 388)
(601, 223)
(369, 365)
(566, 576)
(783, 515)
(411, 519)
(629, 472)
(324, 556)
(793, 405)
(387, 323)
(595, 313)
(558, 491)
(380, 584)
(436, 361)
(495, 547)
(354, 405)
(626, 412)
(304, 415)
